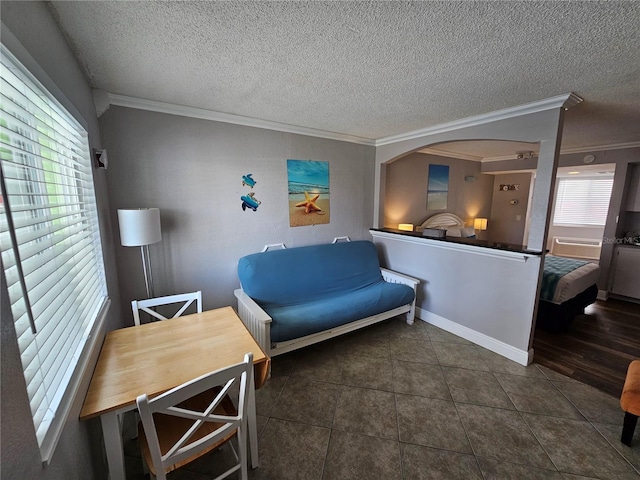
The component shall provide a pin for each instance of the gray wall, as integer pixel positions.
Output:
(192, 170)
(503, 225)
(31, 34)
(405, 198)
(481, 294)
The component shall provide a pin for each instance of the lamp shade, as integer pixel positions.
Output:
(480, 224)
(139, 227)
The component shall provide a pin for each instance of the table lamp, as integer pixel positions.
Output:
(480, 224)
(140, 228)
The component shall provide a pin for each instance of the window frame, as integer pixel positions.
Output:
(77, 375)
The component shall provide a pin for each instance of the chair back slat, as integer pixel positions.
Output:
(180, 452)
(147, 305)
(190, 389)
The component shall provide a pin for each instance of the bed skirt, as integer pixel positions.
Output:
(556, 317)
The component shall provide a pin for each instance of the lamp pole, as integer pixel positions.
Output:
(146, 266)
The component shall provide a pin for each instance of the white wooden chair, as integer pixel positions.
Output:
(147, 305)
(188, 421)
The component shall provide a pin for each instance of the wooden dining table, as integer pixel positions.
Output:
(154, 357)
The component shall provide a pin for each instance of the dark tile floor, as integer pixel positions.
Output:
(398, 401)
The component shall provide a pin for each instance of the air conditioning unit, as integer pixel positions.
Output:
(588, 249)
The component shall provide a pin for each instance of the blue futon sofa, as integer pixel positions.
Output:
(294, 297)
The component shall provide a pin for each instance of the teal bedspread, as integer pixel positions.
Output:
(554, 269)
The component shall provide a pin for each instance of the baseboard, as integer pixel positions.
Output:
(603, 295)
(623, 298)
(523, 357)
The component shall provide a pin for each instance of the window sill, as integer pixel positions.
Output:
(78, 384)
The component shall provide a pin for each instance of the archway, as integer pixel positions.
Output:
(502, 287)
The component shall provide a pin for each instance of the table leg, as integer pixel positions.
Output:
(113, 445)
(251, 420)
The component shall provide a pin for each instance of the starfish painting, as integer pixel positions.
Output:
(309, 203)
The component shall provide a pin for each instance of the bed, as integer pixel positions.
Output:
(568, 286)
(450, 222)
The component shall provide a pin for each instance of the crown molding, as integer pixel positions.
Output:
(572, 101)
(561, 101)
(569, 151)
(500, 158)
(203, 114)
(443, 153)
(599, 148)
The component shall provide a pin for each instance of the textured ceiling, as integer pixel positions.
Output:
(369, 69)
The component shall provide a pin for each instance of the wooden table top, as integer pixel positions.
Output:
(155, 357)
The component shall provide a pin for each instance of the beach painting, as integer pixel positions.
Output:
(438, 187)
(308, 192)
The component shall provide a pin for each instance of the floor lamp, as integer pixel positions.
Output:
(140, 228)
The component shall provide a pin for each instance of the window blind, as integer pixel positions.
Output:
(49, 236)
(582, 201)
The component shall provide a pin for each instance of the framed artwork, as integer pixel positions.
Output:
(438, 187)
(308, 192)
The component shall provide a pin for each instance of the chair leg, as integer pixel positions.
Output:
(242, 453)
(630, 421)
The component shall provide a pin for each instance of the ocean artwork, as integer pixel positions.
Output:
(438, 187)
(308, 192)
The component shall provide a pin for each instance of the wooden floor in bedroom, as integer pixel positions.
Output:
(597, 348)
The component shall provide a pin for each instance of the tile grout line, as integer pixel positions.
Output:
(591, 424)
(394, 376)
